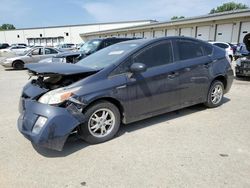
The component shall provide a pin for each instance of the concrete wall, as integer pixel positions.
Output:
(71, 34)
(226, 28)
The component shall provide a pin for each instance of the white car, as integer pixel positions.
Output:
(18, 50)
(225, 46)
(66, 46)
(34, 55)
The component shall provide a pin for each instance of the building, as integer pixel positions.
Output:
(229, 26)
(51, 36)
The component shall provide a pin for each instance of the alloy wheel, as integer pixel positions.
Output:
(101, 122)
(217, 94)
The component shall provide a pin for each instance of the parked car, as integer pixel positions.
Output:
(17, 50)
(87, 49)
(35, 46)
(65, 47)
(125, 82)
(32, 56)
(225, 46)
(241, 51)
(19, 44)
(65, 57)
(4, 45)
(94, 45)
(78, 46)
(243, 64)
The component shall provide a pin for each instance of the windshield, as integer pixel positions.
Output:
(107, 56)
(90, 46)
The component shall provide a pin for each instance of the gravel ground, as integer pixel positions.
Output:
(193, 147)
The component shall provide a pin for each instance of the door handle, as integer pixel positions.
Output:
(187, 69)
(173, 75)
(206, 65)
(121, 87)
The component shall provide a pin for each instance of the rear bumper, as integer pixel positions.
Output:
(60, 123)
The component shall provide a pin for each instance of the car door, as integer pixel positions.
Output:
(35, 55)
(194, 63)
(156, 89)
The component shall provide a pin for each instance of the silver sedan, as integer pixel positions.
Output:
(32, 56)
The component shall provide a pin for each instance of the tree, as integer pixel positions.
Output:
(7, 27)
(228, 6)
(177, 17)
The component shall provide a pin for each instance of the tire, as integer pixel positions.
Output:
(215, 99)
(18, 65)
(91, 131)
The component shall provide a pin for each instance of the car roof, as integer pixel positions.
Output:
(145, 41)
(217, 42)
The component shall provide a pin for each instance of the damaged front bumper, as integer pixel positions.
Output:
(59, 124)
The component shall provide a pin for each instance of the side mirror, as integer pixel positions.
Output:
(30, 55)
(138, 68)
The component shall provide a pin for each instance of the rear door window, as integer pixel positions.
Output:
(187, 49)
(207, 48)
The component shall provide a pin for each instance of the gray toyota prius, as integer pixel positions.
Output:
(123, 83)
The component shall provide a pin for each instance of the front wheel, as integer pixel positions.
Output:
(102, 123)
(215, 94)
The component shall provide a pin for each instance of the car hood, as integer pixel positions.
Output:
(58, 68)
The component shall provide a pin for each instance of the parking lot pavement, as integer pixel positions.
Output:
(194, 147)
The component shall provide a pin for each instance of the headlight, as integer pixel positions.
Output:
(57, 96)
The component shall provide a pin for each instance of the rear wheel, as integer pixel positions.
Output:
(19, 65)
(215, 94)
(102, 123)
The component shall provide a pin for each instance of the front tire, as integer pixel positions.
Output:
(102, 123)
(215, 94)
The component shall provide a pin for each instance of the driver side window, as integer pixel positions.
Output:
(155, 55)
(37, 51)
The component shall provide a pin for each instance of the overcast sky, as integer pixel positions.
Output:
(34, 13)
